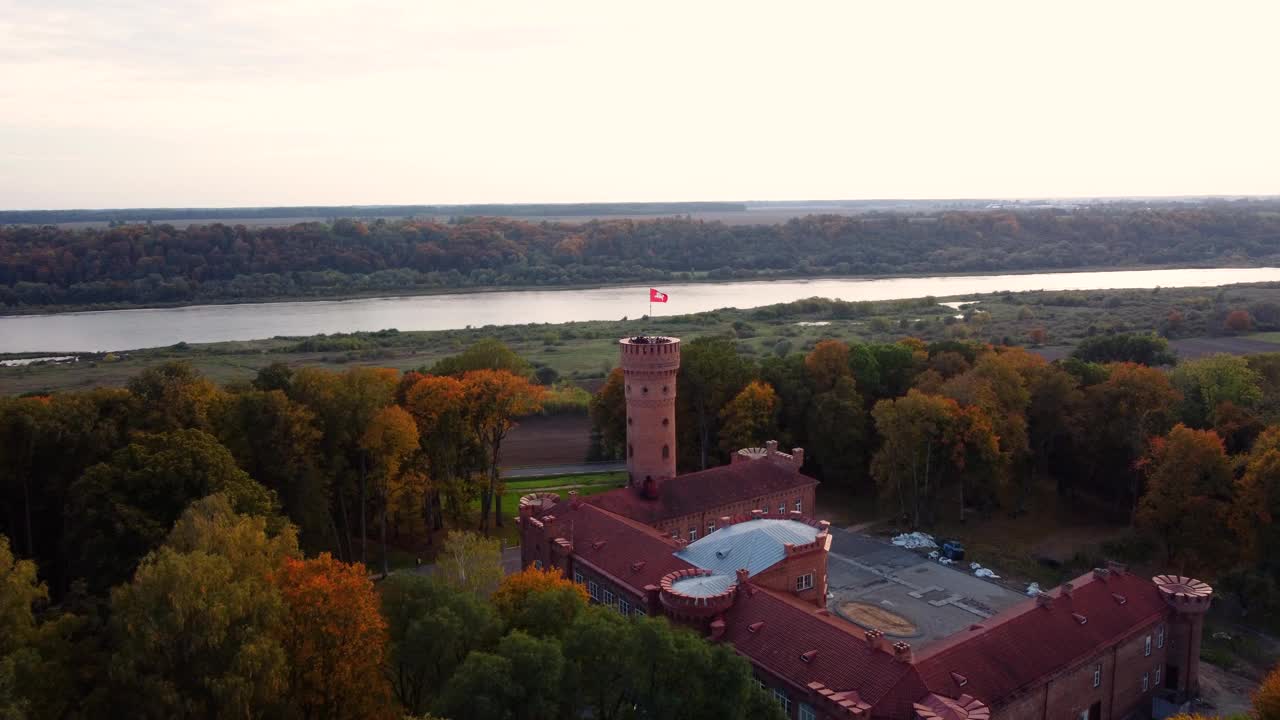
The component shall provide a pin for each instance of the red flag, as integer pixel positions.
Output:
(655, 296)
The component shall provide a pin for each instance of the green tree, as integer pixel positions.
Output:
(173, 396)
(433, 626)
(1256, 517)
(276, 441)
(1150, 350)
(1208, 382)
(486, 354)
(837, 432)
(711, 373)
(916, 433)
(1189, 497)
(479, 689)
(194, 630)
(122, 509)
(609, 415)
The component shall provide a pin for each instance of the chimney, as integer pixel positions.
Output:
(718, 628)
(743, 576)
(902, 652)
(724, 521)
(757, 514)
(875, 640)
(575, 502)
(797, 455)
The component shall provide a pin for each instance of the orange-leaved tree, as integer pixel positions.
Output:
(826, 363)
(494, 399)
(335, 638)
(1189, 497)
(750, 418)
(1266, 699)
(390, 439)
(513, 597)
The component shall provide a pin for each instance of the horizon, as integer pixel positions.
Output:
(246, 104)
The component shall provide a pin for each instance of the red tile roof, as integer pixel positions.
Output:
(1026, 643)
(704, 490)
(633, 554)
(838, 654)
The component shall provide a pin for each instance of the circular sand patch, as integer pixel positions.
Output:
(873, 616)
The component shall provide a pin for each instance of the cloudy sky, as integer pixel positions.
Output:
(125, 103)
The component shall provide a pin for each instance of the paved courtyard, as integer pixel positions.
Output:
(938, 600)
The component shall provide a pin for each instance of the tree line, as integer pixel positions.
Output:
(160, 263)
(1188, 455)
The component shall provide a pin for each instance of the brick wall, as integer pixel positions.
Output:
(680, 527)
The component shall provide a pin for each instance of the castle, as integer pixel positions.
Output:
(734, 553)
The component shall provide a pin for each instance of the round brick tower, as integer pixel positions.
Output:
(649, 365)
(1189, 599)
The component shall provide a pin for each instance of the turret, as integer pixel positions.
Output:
(649, 367)
(1190, 599)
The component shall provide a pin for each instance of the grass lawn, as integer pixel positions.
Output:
(1271, 337)
(526, 485)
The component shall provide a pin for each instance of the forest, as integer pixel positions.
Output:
(47, 267)
(176, 547)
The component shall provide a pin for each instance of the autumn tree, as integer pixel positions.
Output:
(540, 602)
(129, 503)
(173, 396)
(749, 418)
(389, 440)
(494, 399)
(711, 373)
(1120, 415)
(609, 415)
(195, 631)
(1256, 518)
(915, 432)
(1189, 495)
(334, 638)
(1238, 321)
(1266, 699)
(438, 405)
(433, 627)
(827, 363)
(471, 563)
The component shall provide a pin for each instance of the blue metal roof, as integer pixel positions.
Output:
(756, 545)
(703, 585)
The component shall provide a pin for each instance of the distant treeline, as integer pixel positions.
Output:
(159, 263)
(128, 215)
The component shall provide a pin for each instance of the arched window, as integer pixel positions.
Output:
(666, 451)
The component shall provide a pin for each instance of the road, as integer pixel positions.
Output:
(547, 470)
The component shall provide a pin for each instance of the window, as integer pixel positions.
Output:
(624, 607)
(628, 421)
(631, 451)
(537, 564)
(807, 713)
(1097, 675)
(804, 582)
(761, 684)
(1146, 647)
(666, 422)
(799, 506)
(639, 611)
(1159, 640)
(782, 508)
(783, 700)
(1157, 678)
(608, 597)
(693, 534)
(1084, 714)
(666, 451)
(577, 577)
(711, 527)
(593, 590)
(1145, 682)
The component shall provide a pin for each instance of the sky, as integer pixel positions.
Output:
(181, 103)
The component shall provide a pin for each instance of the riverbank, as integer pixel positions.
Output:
(585, 351)
(681, 278)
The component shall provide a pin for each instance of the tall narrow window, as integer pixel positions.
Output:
(1157, 678)
(631, 451)
(693, 534)
(1146, 682)
(1097, 675)
(799, 506)
(1160, 639)
(666, 451)
(1146, 646)
(711, 527)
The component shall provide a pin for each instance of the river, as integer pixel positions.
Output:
(110, 330)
